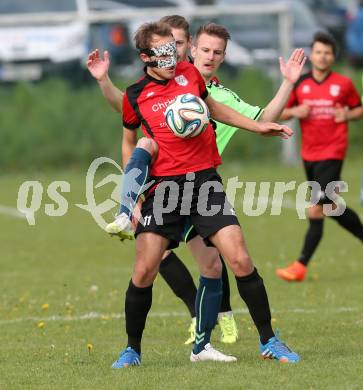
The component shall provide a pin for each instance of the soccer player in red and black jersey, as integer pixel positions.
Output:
(172, 269)
(181, 161)
(323, 101)
(208, 59)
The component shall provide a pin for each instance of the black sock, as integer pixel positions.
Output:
(137, 305)
(312, 239)
(252, 290)
(226, 294)
(349, 220)
(179, 279)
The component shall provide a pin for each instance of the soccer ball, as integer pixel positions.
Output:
(187, 116)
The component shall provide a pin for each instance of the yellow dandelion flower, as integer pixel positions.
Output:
(45, 306)
(89, 347)
(41, 324)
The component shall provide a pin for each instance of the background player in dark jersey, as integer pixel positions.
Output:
(198, 157)
(324, 101)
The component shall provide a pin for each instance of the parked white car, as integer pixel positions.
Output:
(30, 50)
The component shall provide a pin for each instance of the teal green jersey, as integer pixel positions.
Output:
(224, 95)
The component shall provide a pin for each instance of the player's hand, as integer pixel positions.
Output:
(269, 129)
(302, 111)
(341, 113)
(97, 66)
(291, 70)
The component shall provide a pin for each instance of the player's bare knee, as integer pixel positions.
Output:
(143, 275)
(213, 267)
(149, 145)
(213, 273)
(143, 279)
(217, 267)
(241, 265)
(208, 259)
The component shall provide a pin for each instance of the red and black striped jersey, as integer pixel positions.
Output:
(144, 104)
(322, 137)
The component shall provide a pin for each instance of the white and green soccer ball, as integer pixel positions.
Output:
(188, 116)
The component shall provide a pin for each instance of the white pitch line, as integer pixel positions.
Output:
(11, 212)
(105, 316)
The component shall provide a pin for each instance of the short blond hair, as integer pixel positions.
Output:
(214, 29)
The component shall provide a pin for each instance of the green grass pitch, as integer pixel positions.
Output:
(62, 285)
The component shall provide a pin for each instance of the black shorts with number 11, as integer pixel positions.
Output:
(205, 206)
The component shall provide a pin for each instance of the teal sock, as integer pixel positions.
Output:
(207, 306)
(135, 177)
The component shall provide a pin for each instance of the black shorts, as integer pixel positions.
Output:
(189, 231)
(323, 172)
(175, 200)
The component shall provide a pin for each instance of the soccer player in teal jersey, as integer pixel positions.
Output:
(208, 59)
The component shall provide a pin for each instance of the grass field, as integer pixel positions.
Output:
(62, 294)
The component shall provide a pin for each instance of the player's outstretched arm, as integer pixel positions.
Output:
(227, 115)
(98, 67)
(291, 72)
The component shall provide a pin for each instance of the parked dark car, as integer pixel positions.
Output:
(259, 32)
(333, 15)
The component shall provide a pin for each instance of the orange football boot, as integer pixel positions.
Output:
(293, 273)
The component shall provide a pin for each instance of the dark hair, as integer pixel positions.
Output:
(177, 21)
(326, 39)
(213, 29)
(145, 32)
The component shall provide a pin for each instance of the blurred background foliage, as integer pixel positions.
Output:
(62, 120)
(52, 123)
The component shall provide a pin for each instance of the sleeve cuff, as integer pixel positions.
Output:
(131, 126)
(204, 94)
(258, 114)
